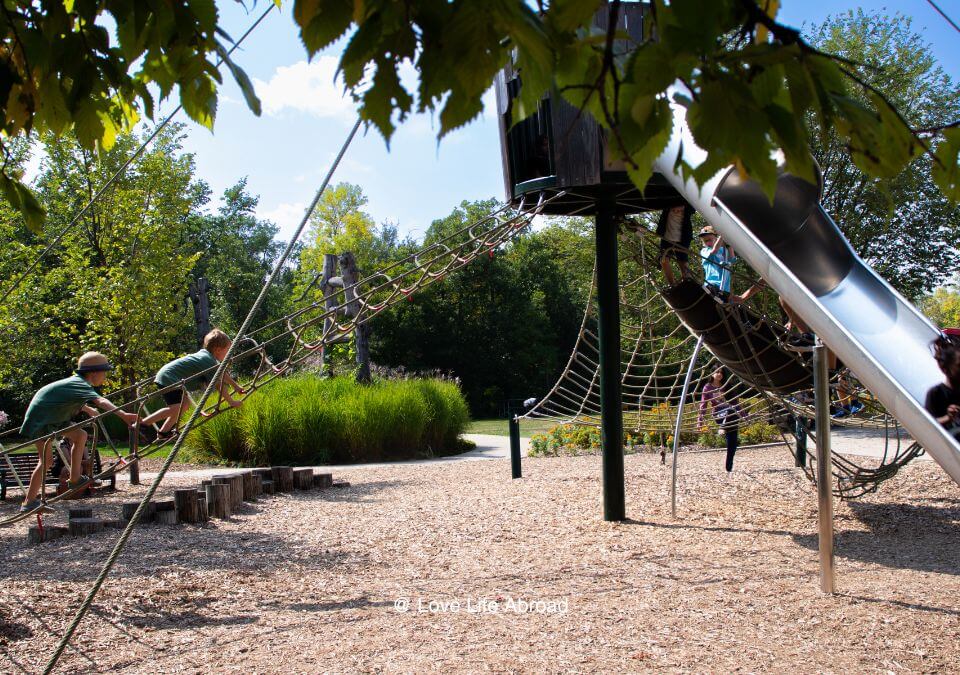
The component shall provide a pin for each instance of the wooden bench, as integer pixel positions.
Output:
(24, 463)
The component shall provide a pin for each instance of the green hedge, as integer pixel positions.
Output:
(309, 420)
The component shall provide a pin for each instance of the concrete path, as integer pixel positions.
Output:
(488, 447)
(866, 442)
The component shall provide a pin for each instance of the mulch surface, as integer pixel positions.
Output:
(312, 581)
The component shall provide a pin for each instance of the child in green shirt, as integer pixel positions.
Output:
(215, 346)
(52, 408)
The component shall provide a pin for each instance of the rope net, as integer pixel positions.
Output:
(308, 329)
(769, 375)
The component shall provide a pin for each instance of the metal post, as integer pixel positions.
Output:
(821, 385)
(800, 432)
(134, 470)
(608, 314)
(515, 445)
(676, 429)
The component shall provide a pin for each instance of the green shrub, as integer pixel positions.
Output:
(309, 420)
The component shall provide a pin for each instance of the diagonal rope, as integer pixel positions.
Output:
(119, 172)
(211, 385)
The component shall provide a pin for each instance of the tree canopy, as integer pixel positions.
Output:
(752, 83)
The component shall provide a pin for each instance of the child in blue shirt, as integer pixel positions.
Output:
(717, 259)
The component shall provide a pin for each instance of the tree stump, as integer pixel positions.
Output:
(234, 491)
(322, 480)
(167, 517)
(164, 505)
(81, 512)
(114, 523)
(250, 483)
(129, 508)
(282, 478)
(81, 527)
(303, 479)
(188, 506)
(264, 473)
(202, 513)
(218, 500)
(267, 487)
(340, 484)
(37, 536)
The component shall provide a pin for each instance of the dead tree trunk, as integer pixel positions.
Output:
(351, 275)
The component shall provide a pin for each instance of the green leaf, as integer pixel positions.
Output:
(88, 126)
(52, 111)
(386, 95)
(946, 168)
(199, 99)
(242, 80)
(322, 21)
(568, 15)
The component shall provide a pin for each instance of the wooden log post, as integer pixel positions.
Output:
(350, 275)
(218, 500)
(251, 482)
(80, 512)
(322, 480)
(166, 512)
(188, 505)
(282, 478)
(303, 479)
(267, 487)
(236, 490)
(203, 514)
(127, 509)
(81, 527)
(37, 535)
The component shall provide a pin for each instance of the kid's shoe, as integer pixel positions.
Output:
(84, 481)
(34, 505)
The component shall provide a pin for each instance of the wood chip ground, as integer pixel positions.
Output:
(310, 581)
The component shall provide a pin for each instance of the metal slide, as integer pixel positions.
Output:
(796, 247)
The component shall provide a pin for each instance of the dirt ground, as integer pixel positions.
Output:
(316, 581)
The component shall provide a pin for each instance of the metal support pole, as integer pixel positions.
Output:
(515, 445)
(608, 314)
(800, 433)
(134, 469)
(821, 385)
(676, 429)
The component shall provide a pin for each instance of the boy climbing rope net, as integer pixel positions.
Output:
(216, 343)
(52, 408)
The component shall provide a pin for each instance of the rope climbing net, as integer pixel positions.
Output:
(770, 377)
(308, 329)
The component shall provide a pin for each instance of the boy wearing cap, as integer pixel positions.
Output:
(216, 343)
(52, 408)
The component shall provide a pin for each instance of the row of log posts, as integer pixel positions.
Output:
(219, 497)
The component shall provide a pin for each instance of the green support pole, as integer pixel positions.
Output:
(515, 446)
(800, 432)
(608, 314)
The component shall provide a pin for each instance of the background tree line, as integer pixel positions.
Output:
(504, 325)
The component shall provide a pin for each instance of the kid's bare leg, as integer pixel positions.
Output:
(44, 462)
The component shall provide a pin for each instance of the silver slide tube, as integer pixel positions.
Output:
(871, 327)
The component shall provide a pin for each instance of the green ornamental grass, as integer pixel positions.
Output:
(310, 420)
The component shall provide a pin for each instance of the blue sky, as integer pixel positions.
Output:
(285, 152)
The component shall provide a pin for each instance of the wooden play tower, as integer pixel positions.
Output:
(561, 150)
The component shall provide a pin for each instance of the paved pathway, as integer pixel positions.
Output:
(488, 447)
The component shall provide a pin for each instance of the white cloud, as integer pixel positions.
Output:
(286, 216)
(308, 87)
